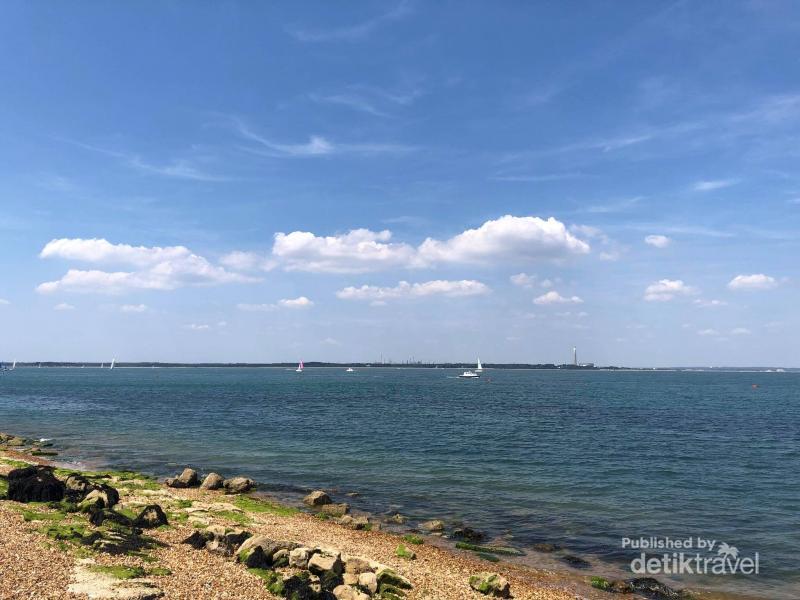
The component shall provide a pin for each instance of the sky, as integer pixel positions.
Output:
(241, 181)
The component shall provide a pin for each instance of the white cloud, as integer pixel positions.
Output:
(4, 302)
(517, 239)
(357, 251)
(198, 327)
(757, 281)
(553, 297)
(133, 308)
(512, 238)
(97, 250)
(658, 241)
(714, 184)
(294, 303)
(708, 332)
(300, 302)
(667, 289)
(740, 331)
(63, 306)
(702, 303)
(157, 268)
(247, 261)
(523, 280)
(415, 290)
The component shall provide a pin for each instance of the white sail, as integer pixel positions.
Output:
(480, 367)
(113, 360)
(14, 365)
(299, 368)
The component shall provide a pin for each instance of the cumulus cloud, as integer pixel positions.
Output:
(757, 281)
(300, 302)
(4, 302)
(154, 268)
(667, 289)
(523, 280)
(414, 290)
(357, 251)
(740, 331)
(509, 237)
(708, 332)
(133, 308)
(553, 297)
(63, 306)
(517, 239)
(657, 241)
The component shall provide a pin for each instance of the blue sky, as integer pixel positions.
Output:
(326, 181)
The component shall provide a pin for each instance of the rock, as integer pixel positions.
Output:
(357, 565)
(213, 481)
(302, 586)
(653, 588)
(545, 547)
(468, 534)
(434, 526)
(368, 582)
(325, 561)
(317, 498)
(188, 478)
(151, 516)
(238, 485)
(260, 552)
(576, 562)
(298, 558)
(346, 592)
(101, 496)
(490, 584)
(98, 516)
(335, 510)
(398, 518)
(217, 538)
(16, 441)
(34, 484)
(280, 559)
(77, 486)
(388, 576)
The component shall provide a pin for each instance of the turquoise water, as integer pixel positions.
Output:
(578, 458)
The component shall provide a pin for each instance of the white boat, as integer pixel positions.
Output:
(14, 365)
(480, 367)
(349, 370)
(102, 365)
(113, 360)
(299, 368)
(469, 375)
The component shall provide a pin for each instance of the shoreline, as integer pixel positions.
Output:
(529, 579)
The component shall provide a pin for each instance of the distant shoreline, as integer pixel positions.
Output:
(366, 365)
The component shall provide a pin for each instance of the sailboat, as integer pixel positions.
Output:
(14, 365)
(299, 368)
(350, 370)
(473, 374)
(113, 360)
(480, 367)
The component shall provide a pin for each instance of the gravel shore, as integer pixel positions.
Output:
(32, 565)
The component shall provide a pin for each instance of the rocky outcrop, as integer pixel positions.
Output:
(217, 538)
(317, 498)
(188, 478)
(151, 516)
(325, 561)
(262, 552)
(468, 534)
(34, 484)
(335, 510)
(490, 584)
(434, 526)
(213, 481)
(238, 485)
(77, 486)
(100, 496)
